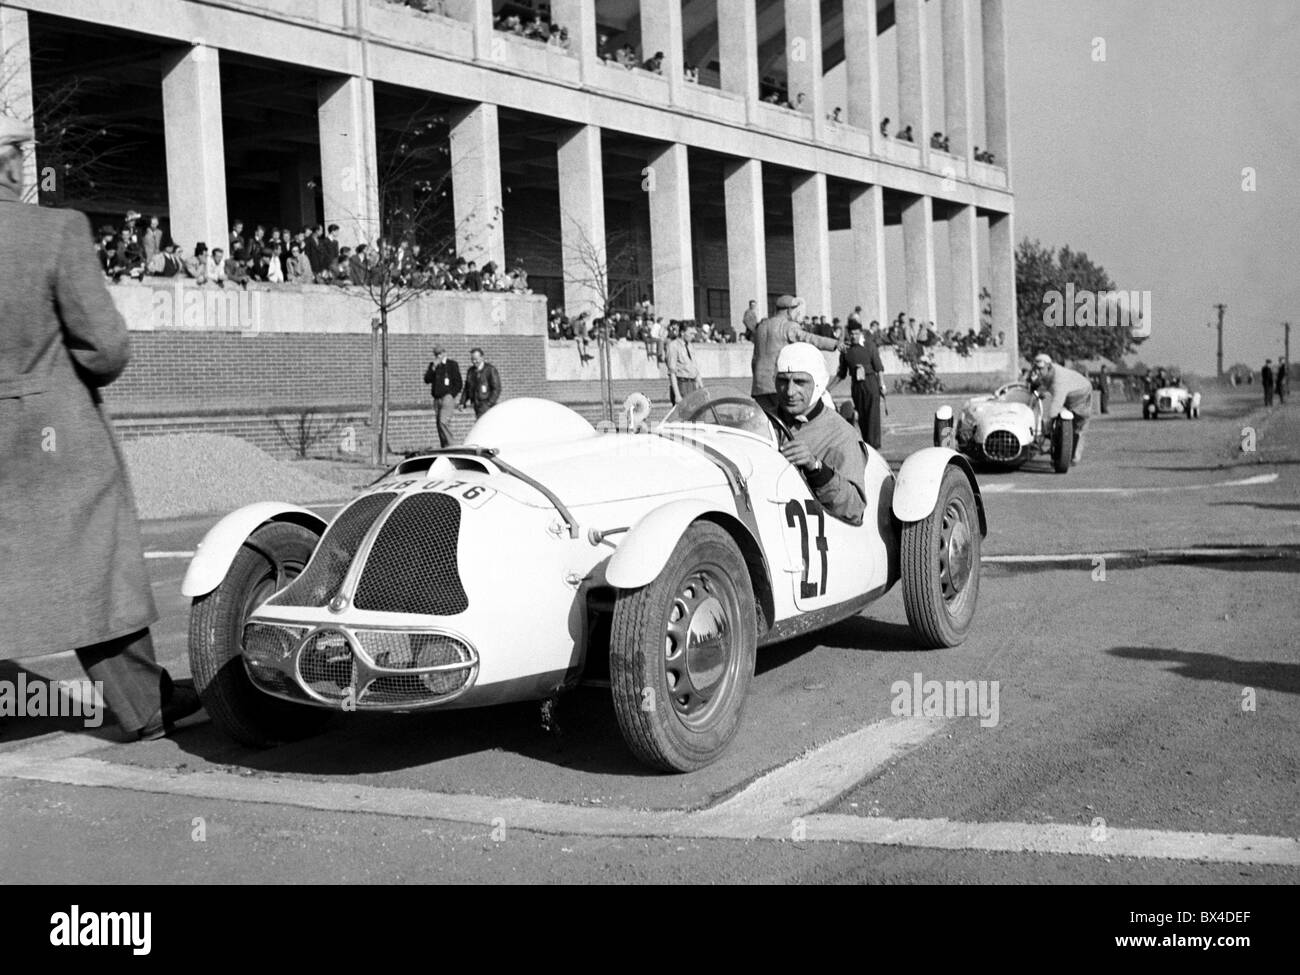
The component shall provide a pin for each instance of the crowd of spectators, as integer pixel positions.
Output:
(536, 29)
(139, 248)
(904, 331)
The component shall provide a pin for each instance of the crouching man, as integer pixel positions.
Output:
(1066, 390)
(825, 447)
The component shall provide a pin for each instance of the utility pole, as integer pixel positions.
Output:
(1286, 344)
(1219, 367)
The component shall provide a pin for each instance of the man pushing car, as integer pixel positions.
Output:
(1066, 390)
(824, 446)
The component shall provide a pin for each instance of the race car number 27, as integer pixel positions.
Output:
(795, 517)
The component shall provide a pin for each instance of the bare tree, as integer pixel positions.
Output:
(607, 274)
(79, 155)
(413, 188)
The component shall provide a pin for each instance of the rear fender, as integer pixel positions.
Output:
(916, 490)
(221, 544)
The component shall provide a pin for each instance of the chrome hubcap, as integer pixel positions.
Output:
(699, 647)
(955, 551)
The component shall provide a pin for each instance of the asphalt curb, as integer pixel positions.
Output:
(1198, 555)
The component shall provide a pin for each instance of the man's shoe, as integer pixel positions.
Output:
(183, 702)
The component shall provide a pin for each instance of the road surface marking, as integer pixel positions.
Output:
(169, 555)
(764, 810)
(1056, 838)
(1000, 488)
(1224, 554)
(771, 802)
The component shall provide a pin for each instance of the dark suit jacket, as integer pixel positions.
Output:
(482, 388)
(72, 571)
(443, 380)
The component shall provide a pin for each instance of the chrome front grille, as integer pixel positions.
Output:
(362, 669)
(320, 581)
(1002, 445)
(412, 567)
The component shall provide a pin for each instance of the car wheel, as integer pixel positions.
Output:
(940, 558)
(682, 653)
(1062, 444)
(272, 557)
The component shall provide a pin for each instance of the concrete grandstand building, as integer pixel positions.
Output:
(291, 113)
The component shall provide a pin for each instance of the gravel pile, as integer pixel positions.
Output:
(203, 473)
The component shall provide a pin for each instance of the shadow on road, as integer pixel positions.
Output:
(857, 633)
(1256, 504)
(1282, 677)
(15, 727)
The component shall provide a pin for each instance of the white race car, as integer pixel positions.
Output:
(1171, 399)
(1005, 428)
(502, 571)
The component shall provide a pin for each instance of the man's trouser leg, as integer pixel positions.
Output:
(1081, 407)
(1268, 395)
(134, 684)
(867, 401)
(443, 408)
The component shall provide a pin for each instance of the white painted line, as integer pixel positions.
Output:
(1008, 488)
(169, 555)
(1054, 838)
(1225, 553)
(813, 780)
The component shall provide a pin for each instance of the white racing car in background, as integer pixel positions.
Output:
(1175, 398)
(503, 570)
(1005, 428)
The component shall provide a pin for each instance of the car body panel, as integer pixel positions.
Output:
(223, 541)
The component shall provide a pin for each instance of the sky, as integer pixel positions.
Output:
(1138, 159)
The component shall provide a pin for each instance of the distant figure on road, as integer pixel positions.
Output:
(443, 377)
(1281, 382)
(72, 576)
(1266, 377)
(860, 364)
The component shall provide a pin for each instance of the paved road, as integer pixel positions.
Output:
(1144, 731)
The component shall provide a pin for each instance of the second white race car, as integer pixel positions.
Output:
(1171, 399)
(1005, 428)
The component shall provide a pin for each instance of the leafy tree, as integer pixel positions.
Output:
(1040, 272)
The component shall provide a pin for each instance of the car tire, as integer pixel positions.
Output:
(1062, 444)
(652, 658)
(272, 557)
(940, 559)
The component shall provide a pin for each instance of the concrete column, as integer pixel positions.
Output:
(995, 83)
(349, 170)
(862, 68)
(582, 221)
(16, 86)
(746, 237)
(957, 77)
(918, 259)
(661, 30)
(669, 187)
(812, 242)
(963, 247)
(803, 53)
(579, 16)
(478, 14)
(476, 184)
(867, 226)
(1002, 287)
(297, 199)
(738, 50)
(196, 157)
(913, 99)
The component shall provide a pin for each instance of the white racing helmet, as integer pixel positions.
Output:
(802, 357)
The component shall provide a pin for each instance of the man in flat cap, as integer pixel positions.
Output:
(72, 572)
(770, 337)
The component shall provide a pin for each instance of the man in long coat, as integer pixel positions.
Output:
(72, 572)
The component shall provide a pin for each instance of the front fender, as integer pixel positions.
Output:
(644, 551)
(916, 489)
(212, 559)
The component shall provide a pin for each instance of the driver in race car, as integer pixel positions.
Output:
(824, 446)
(1066, 390)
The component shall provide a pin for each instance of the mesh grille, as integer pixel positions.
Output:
(266, 648)
(414, 651)
(324, 573)
(1001, 445)
(326, 666)
(412, 567)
